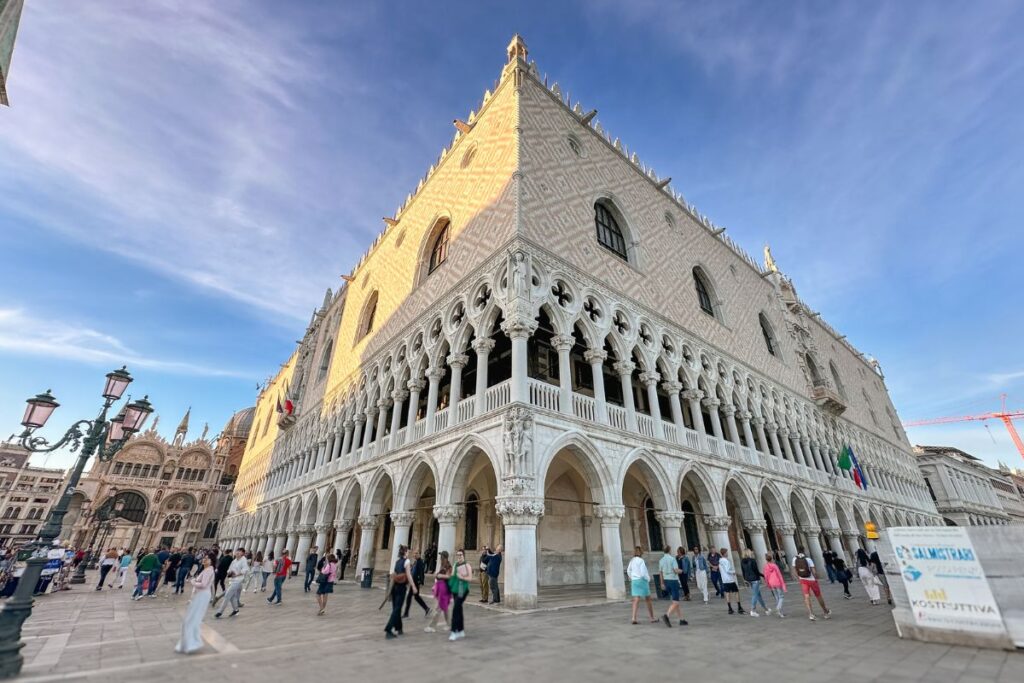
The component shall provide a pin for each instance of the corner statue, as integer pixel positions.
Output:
(517, 440)
(769, 262)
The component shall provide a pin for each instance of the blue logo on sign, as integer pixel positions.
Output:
(911, 574)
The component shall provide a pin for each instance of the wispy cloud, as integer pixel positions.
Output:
(24, 334)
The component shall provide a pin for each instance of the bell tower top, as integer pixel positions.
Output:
(517, 49)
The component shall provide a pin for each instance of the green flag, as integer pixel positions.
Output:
(844, 461)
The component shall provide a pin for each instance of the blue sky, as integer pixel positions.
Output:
(179, 182)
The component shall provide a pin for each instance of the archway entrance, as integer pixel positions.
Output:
(569, 546)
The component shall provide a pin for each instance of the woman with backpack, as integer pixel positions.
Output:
(401, 581)
(442, 594)
(774, 581)
(325, 582)
(459, 585)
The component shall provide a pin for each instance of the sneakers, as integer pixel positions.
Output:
(457, 635)
(828, 614)
(740, 611)
(848, 597)
(217, 615)
(755, 614)
(730, 611)
(430, 629)
(767, 611)
(389, 635)
(683, 622)
(668, 622)
(233, 613)
(812, 617)
(781, 615)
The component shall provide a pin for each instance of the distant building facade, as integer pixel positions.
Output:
(26, 495)
(156, 491)
(1009, 487)
(962, 487)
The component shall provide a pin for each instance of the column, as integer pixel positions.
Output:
(611, 542)
(336, 449)
(716, 420)
(756, 529)
(821, 457)
(279, 542)
(788, 543)
(456, 361)
(673, 388)
(625, 368)
(805, 444)
(814, 549)
(693, 397)
(434, 376)
(401, 522)
(719, 528)
(321, 538)
(368, 531)
(563, 343)
(292, 543)
(650, 380)
(773, 434)
(447, 517)
(730, 422)
(520, 515)
(596, 358)
(519, 330)
(382, 418)
(762, 438)
(357, 434)
(835, 541)
(748, 435)
(786, 447)
(371, 414)
(852, 543)
(398, 396)
(415, 387)
(794, 438)
(482, 347)
(305, 534)
(671, 527)
(346, 443)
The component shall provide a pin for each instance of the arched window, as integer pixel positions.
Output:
(654, 539)
(609, 234)
(172, 523)
(133, 506)
(700, 283)
(385, 541)
(812, 368)
(766, 331)
(367, 319)
(439, 249)
(472, 520)
(325, 360)
(211, 529)
(835, 379)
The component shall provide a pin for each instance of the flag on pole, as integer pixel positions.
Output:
(848, 461)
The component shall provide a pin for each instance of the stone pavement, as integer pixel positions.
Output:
(87, 635)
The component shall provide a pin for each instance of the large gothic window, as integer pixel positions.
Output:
(609, 234)
(700, 283)
(172, 523)
(367, 320)
(835, 379)
(439, 249)
(769, 336)
(325, 360)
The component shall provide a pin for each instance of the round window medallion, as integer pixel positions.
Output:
(467, 158)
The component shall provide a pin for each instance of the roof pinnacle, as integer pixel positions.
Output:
(517, 49)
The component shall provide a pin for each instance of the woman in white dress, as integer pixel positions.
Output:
(191, 638)
(868, 578)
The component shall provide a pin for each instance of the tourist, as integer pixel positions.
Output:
(685, 571)
(463, 577)
(842, 574)
(346, 557)
(775, 582)
(163, 556)
(419, 576)
(670, 573)
(223, 566)
(867, 577)
(700, 564)
(716, 573)
(752, 575)
(442, 594)
(237, 570)
(401, 581)
(493, 568)
(730, 589)
(185, 566)
(830, 569)
(325, 582)
(171, 568)
(281, 569)
(106, 564)
(266, 571)
(147, 571)
(122, 570)
(255, 570)
(805, 572)
(640, 583)
(876, 561)
(485, 592)
(191, 627)
(311, 566)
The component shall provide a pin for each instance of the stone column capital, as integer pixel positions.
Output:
(610, 514)
(718, 523)
(783, 432)
(729, 409)
(624, 367)
(348, 424)
(371, 410)
(448, 514)
(321, 528)
(563, 342)
(520, 510)
(755, 525)
(812, 530)
(853, 535)
(649, 378)
(435, 374)
(786, 529)
(693, 394)
(595, 356)
(672, 386)
(518, 328)
(403, 518)
(399, 395)
(368, 521)
(834, 533)
(670, 518)
(757, 421)
(457, 360)
(384, 403)
(343, 526)
(360, 418)
(744, 415)
(416, 384)
(483, 345)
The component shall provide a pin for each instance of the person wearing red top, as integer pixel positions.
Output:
(281, 568)
(775, 582)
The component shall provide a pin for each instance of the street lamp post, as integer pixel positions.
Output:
(100, 436)
(103, 516)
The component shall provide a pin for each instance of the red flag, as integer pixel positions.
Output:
(856, 478)
(288, 406)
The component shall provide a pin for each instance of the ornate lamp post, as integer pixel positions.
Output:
(100, 436)
(103, 516)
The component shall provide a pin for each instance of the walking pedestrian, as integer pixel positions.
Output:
(419, 574)
(463, 576)
(442, 594)
(171, 568)
(311, 560)
(828, 556)
(485, 592)
(842, 574)
(876, 563)
(147, 571)
(401, 581)
(867, 577)
(640, 583)
(162, 556)
(730, 589)
(185, 566)
(775, 582)
(701, 568)
(223, 565)
(266, 571)
(752, 575)
(716, 573)
(685, 571)
(191, 627)
(346, 557)
(281, 568)
(255, 570)
(236, 573)
(122, 570)
(493, 569)
(106, 564)
(803, 569)
(325, 582)
(670, 573)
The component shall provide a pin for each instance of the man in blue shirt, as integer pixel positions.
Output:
(685, 569)
(493, 567)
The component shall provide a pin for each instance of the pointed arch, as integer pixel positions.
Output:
(455, 475)
(750, 506)
(599, 479)
(703, 485)
(413, 474)
(658, 483)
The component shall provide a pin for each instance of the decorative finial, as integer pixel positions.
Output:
(517, 49)
(769, 262)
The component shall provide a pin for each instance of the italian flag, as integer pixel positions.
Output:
(848, 461)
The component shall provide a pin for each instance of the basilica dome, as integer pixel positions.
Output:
(239, 424)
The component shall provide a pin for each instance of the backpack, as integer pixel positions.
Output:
(399, 576)
(803, 569)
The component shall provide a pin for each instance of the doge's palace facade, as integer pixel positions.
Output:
(549, 348)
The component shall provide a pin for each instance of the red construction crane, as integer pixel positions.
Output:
(1007, 419)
